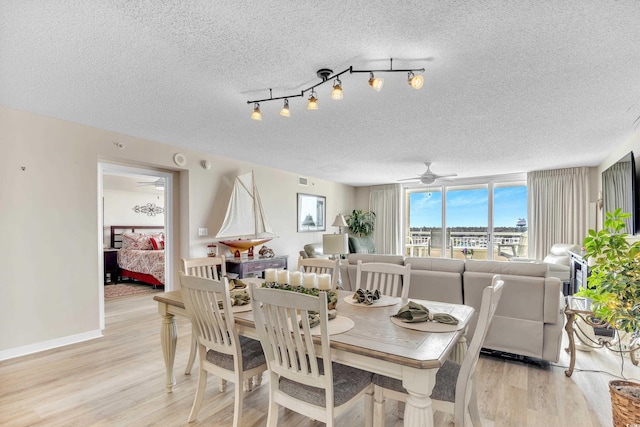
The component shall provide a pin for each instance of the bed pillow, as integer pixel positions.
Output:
(157, 242)
(136, 241)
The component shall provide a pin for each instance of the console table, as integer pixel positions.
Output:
(255, 265)
(580, 316)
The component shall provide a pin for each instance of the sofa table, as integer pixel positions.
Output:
(243, 267)
(579, 316)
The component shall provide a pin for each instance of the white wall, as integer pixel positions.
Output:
(49, 287)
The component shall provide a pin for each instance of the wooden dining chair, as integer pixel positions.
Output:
(221, 351)
(302, 376)
(390, 279)
(455, 388)
(206, 267)
(321, 266)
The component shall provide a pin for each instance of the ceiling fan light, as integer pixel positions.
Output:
(284, 112)
(256, 115)
(336, 93)
(414, 81)
(376, 82)
(313, 102)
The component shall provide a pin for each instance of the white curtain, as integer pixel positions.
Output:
(385, 202)
(558, 208)
(617, 185)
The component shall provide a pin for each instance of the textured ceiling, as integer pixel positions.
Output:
(510, 86)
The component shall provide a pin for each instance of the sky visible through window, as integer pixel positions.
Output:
(468, 208)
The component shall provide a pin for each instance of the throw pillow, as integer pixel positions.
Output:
(158, 243)
(136, 241)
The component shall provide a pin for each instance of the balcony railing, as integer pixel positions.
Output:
(427, 243)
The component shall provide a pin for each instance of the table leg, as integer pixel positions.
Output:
(457, 355)
(418, 411)
(572, 344)
(168, 338)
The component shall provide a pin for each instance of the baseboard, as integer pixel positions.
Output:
(48, 345)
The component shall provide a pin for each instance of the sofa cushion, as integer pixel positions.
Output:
(365, 258)
(436, 264)
(512, 268)
(361, 245)
(314, 250)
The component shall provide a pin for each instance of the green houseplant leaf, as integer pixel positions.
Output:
(361, 223)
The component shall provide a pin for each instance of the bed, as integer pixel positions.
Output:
(141, 252)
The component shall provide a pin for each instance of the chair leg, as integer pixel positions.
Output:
(197, 402)
(474, 413)
(248, 384)
(272, 417)
(223, 385)
(237, 407)
(368, 408)
(192, 353)
(378, 407)
(257, 379)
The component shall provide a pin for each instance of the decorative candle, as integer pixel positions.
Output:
(324, 282)
(295, 278)
(309, 280)
(283, 277)
(270, 275)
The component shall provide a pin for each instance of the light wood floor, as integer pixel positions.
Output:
(118, 380)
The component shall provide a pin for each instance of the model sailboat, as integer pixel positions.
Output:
(245, 224)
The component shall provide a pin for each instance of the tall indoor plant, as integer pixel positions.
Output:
(361, 223)
(614, 289)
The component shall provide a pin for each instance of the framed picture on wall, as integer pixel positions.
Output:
(311, 213)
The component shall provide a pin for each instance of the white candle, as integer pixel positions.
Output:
(283, 277)
(309, 280)
(295, 278)
(270, 275)
(324, 282)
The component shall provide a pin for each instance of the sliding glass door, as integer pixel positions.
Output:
(477, 221)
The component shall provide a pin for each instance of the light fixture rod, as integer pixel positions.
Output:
(330, 78)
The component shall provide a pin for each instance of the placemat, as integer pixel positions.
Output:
(336, 326)
(427, 326)
(384, 301)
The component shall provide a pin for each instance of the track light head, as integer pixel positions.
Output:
(336, 93)
(313, 101)
(376, 82)
(256, 115)
(285, 109)
(414, 81)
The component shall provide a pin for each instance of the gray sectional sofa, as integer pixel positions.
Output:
(529, 320)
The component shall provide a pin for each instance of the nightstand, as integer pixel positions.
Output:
(111, 269)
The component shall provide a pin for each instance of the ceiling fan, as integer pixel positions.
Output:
(158, 184)
(429, 177)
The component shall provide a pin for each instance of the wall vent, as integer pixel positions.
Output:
(303, 181)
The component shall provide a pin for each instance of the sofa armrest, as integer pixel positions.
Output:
(552, 299)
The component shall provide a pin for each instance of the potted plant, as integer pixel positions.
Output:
(614, 290)
(361, 223)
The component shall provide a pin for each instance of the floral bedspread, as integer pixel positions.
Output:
(143, 261)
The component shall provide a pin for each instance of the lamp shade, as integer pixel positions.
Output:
(339, 221)
(335, 244)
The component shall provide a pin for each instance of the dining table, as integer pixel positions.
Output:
(375, 341)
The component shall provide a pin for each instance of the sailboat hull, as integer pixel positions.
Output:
(241, 245)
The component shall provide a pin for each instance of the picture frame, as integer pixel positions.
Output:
(311, 213)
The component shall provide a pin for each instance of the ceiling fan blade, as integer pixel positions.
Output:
(417, 178)
(446, 175)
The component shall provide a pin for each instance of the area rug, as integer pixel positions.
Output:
(125, 289)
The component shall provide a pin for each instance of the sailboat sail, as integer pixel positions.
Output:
(245, 218)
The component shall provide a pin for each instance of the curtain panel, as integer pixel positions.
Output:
(558, 208)
(385, 202)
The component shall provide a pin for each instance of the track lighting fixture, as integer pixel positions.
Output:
(256, 115)
(313, 101)
(325, 74)
(376, 82)
(336, 93)
(285, 109)
(415, 82)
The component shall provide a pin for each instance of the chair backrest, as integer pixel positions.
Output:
(389, 279)
(490, 298)
(523, 245)
(282, 323)
(214, 326)
(205, 267)
(321, 266)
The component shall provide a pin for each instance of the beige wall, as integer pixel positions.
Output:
(49, 286)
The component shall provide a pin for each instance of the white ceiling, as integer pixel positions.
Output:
(510, 86)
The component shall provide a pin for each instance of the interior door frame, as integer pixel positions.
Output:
(105, 168)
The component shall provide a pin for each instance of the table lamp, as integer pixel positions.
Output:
(339, 222)
(335, 245)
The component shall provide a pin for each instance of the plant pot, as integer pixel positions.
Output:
(625, 403)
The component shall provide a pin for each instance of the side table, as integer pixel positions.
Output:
(111, 269)
(576, 308)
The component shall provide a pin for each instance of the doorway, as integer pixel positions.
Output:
(147, 184)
